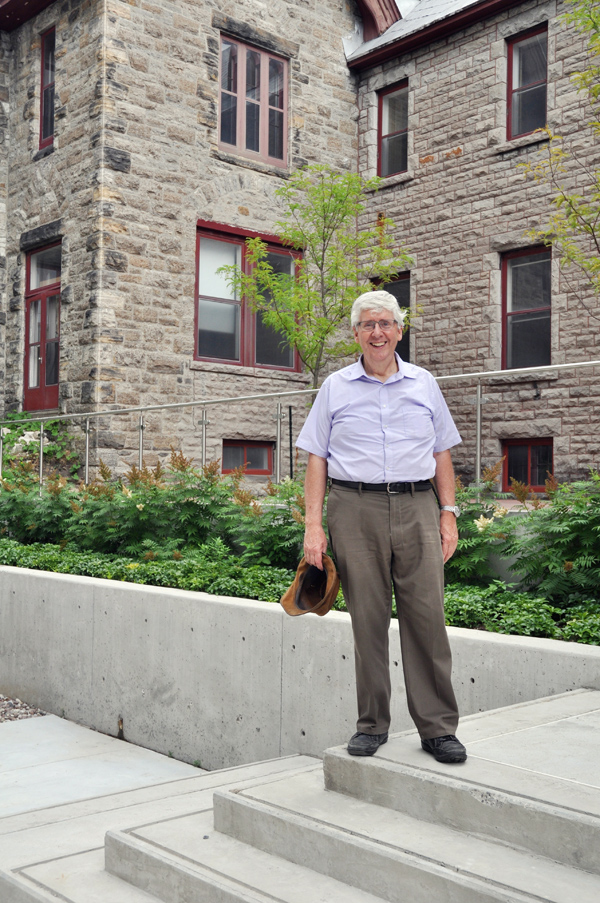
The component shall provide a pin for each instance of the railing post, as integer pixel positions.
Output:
(1, 450)
(204, 422)
(478, 435)
(41, 456)
(278, 416)
(141, 443)
(86, 474)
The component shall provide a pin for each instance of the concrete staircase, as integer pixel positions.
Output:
(519, 821)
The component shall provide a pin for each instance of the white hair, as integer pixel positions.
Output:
(379, 302)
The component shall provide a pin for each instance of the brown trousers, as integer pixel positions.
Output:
(382, 541)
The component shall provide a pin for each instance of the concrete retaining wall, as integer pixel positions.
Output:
(228, 681)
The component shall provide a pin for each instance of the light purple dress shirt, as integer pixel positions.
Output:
(374, 432)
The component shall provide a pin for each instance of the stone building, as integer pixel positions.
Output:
(449, 99)
(142, 142)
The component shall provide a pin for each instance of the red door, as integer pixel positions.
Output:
(42, 330)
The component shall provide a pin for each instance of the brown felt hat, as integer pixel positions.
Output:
(313, 590)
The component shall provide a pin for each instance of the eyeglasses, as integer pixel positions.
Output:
(369, 325)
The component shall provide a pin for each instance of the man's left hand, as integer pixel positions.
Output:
(449, 534)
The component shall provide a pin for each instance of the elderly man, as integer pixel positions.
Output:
(381, 431)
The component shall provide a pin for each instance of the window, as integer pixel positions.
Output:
(529, 461)
(42, 329)
(253, 115)
(400, 289)
(227, 329)
(393, 130)
(527, 77)
(47, 90)
(257, 457)
(526, 307)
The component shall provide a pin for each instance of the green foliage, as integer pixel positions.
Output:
(212, 568)
(478, 529)
(271, 531)
(500, 609)
(557, 546)
(20, 446)
(338, 263)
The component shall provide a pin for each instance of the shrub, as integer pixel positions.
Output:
(212, 569)
(557, 545)
(501, 609)
(271, 530)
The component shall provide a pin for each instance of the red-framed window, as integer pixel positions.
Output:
(526, 308)
(256, 457)
(253, 102)
(392, 138)
(527, 82)
(227, 330)
(400, 289)
(42, 328)
(48, 42)
(529, 461)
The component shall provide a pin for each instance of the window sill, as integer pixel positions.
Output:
(44, 152)
(400, 178)
(517, 143)
(238, 160)
(259, 372)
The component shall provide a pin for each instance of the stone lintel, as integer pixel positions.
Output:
(263, 39)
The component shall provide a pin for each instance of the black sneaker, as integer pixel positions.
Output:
(366, 744)
(445, 749)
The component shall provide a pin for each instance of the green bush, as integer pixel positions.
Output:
(557, 545)
(271, 530)
(59, 449)
(212, 569)
(501, 609)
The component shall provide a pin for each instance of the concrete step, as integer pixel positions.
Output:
(78, 879)
(531, 779)
(187, 860)
(388, 853)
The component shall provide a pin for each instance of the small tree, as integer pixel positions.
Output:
(338, 263)
(574, 226)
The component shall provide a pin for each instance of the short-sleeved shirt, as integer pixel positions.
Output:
(374, 432)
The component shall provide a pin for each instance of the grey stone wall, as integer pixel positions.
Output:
(51, 193)
(462, 203)
(160, 102)
(135, 165)
(4, 148)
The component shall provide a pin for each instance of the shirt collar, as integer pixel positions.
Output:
(357, 371)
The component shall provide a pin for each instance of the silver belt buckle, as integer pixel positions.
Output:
(391, 491)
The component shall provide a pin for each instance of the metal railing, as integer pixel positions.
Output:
(478, 378)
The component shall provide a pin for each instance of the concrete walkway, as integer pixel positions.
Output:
(85, 818)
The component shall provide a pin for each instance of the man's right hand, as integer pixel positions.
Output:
(315, 545)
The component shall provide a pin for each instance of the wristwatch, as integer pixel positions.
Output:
(453, 508)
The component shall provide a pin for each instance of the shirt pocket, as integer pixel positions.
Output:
(418, 424)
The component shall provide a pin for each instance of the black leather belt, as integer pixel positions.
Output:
(390, 488)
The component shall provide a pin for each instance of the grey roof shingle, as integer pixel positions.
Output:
(425, 13)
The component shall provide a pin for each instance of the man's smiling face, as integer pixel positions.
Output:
(378, 345)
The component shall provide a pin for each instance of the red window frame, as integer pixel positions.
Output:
(511, 90)
(529, 444)
(267, 110)
(246, 444)
(506, 314)
(47, 87)
(400, 86)
(247, 327)
(43, 396)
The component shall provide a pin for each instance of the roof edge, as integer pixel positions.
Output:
(433, 32)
